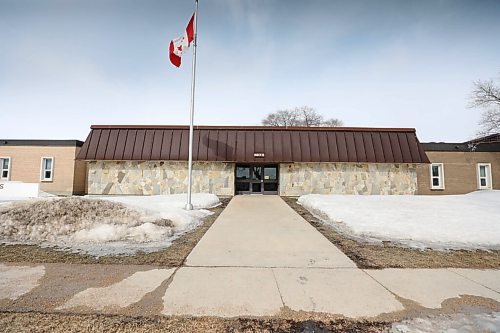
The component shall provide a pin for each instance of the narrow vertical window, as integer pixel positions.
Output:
(47, 168)
(5, 168)
(484, 176)
(437, 176)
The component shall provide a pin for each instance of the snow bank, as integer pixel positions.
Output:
(169, 207)
(456, 323)
(102, 225)
(467, 221)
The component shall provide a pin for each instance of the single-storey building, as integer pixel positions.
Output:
(51, 163)
(229, 160)
(458, 168)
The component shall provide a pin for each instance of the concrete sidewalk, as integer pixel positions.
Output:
(258, 259)
(260, 256)
(236, 291)
(263, 231)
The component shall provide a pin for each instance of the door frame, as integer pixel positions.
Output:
(253, 181)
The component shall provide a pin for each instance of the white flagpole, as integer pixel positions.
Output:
(189, 205)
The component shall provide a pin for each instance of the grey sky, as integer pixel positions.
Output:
(67, 64)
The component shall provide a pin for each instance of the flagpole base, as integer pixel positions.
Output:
(188, 206)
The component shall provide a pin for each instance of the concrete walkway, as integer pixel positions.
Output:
(258, 258)
(263, 231)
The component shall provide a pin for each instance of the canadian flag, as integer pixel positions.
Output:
(180, 45)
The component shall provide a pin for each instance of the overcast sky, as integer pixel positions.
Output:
(67, 64)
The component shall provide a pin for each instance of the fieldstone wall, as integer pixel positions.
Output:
(347, 178)
(160, 177)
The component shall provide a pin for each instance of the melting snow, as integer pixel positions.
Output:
(121, 294)
(456, 323)
(467, 221)
(16, 281)
(103, 225)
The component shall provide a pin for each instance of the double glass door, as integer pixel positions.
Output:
(256, 179)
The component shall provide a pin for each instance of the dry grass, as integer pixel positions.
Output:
(171, 256)
(389, 255)
(52, 322)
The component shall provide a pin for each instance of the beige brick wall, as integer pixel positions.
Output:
(80, 176)
(460, 171)
(26, 164)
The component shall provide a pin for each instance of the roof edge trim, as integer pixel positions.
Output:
(258, 128)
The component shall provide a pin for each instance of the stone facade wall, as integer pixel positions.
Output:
(170, 177)
(160, 177)
(347, 178)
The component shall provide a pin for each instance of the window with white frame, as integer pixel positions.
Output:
(484, 176)
(47, 169)
(5, 168)
(437, 176)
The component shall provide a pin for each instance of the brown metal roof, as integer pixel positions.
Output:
(241, 143)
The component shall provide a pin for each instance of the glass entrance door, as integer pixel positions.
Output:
(256, 179)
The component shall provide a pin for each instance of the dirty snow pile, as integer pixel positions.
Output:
(469, 221)
(102, 225)
(456, 323)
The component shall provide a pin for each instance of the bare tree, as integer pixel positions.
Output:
(308, 116)
(282, 118)
(486, 95)
(299, 116)
(333, 122)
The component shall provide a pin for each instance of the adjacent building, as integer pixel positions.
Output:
(51, 163)
(229, 160)
(458, 168)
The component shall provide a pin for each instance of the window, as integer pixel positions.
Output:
(437, 176)
(242, 172)
(270, 173)
(5, 168)
(484, 176)
(47, 169)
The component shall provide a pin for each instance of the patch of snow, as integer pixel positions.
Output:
(103, 225)
(6, 200)
(169, 207)
(456, 323)
(42, 194)
(470, 221)
(120, 294)
(16, 281)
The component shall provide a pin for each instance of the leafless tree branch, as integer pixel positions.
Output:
(299, 116)
(486, 95)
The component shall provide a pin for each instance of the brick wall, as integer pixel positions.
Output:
(460, 171)
(26, 165)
